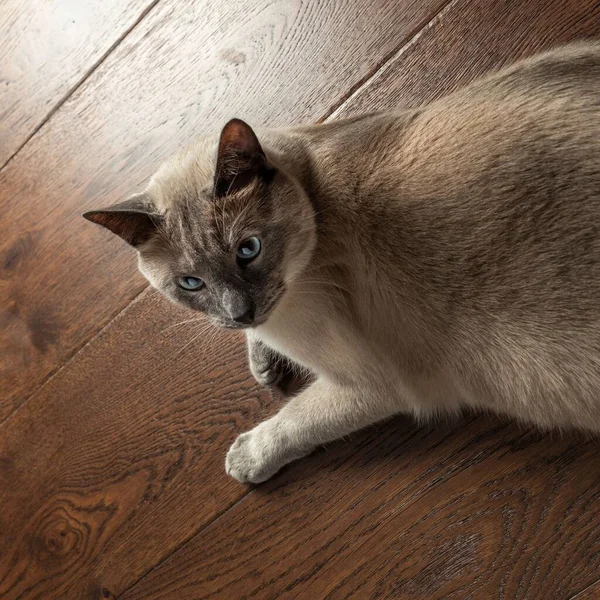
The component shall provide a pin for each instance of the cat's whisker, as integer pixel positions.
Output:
(197, 320)
(305, 229)
(318, 294)
(222, 234)
(209, 342)
(197, 336)
(214, 214)
(314, 213)
(320, 281)
(204, 331)
(232, 182)
(311, 217)
(309, 225)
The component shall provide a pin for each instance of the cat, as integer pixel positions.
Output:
(417, 261)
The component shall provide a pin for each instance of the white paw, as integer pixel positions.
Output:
(251, 457)
(258, 454)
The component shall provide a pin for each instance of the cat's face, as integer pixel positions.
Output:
(220, 229)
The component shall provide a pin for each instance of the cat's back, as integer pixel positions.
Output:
(576, 65)
(499, 201)
(547, 104)
(499, 229)
(511, 162)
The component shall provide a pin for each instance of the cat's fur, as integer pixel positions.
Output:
(418, 261)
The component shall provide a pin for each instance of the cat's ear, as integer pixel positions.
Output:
(133, 220)
(240, 159)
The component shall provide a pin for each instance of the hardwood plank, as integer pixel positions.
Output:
(48, 48)
(184, 70)
(480, 511)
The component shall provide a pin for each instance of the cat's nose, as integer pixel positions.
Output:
(244, 318)
(239, 306)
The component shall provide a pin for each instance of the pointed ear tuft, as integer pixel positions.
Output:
(240, 159)
(133, 220)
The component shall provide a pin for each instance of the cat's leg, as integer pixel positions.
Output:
(322, 413)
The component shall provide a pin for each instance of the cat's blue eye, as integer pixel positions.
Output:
(191, 284)
(249, 249)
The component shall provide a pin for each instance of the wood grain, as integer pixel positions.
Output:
(47, 48)
(480, 510)
(113, 465)
(183, 71)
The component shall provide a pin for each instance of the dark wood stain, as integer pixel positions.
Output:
(44, 329)
(15, 255)
(111, 472)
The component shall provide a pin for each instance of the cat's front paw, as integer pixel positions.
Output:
(249, 459)
(266, 374)
(265, 364)
(258, 454)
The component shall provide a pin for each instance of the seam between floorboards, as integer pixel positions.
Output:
(71, 358)
(354, 90)
(365, 81)
(80, 82)
(186, 541)
(585, 589)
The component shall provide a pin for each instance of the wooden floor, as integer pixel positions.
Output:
(114, 425)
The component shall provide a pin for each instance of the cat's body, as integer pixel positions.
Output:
(430, 259)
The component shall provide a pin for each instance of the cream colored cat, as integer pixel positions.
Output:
(417, 261)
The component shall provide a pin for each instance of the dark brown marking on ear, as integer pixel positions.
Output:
(240, 159)
(132, 220)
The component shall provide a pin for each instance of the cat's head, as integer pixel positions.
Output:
(220, 229)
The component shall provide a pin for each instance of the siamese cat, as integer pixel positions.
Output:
(418, 261)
